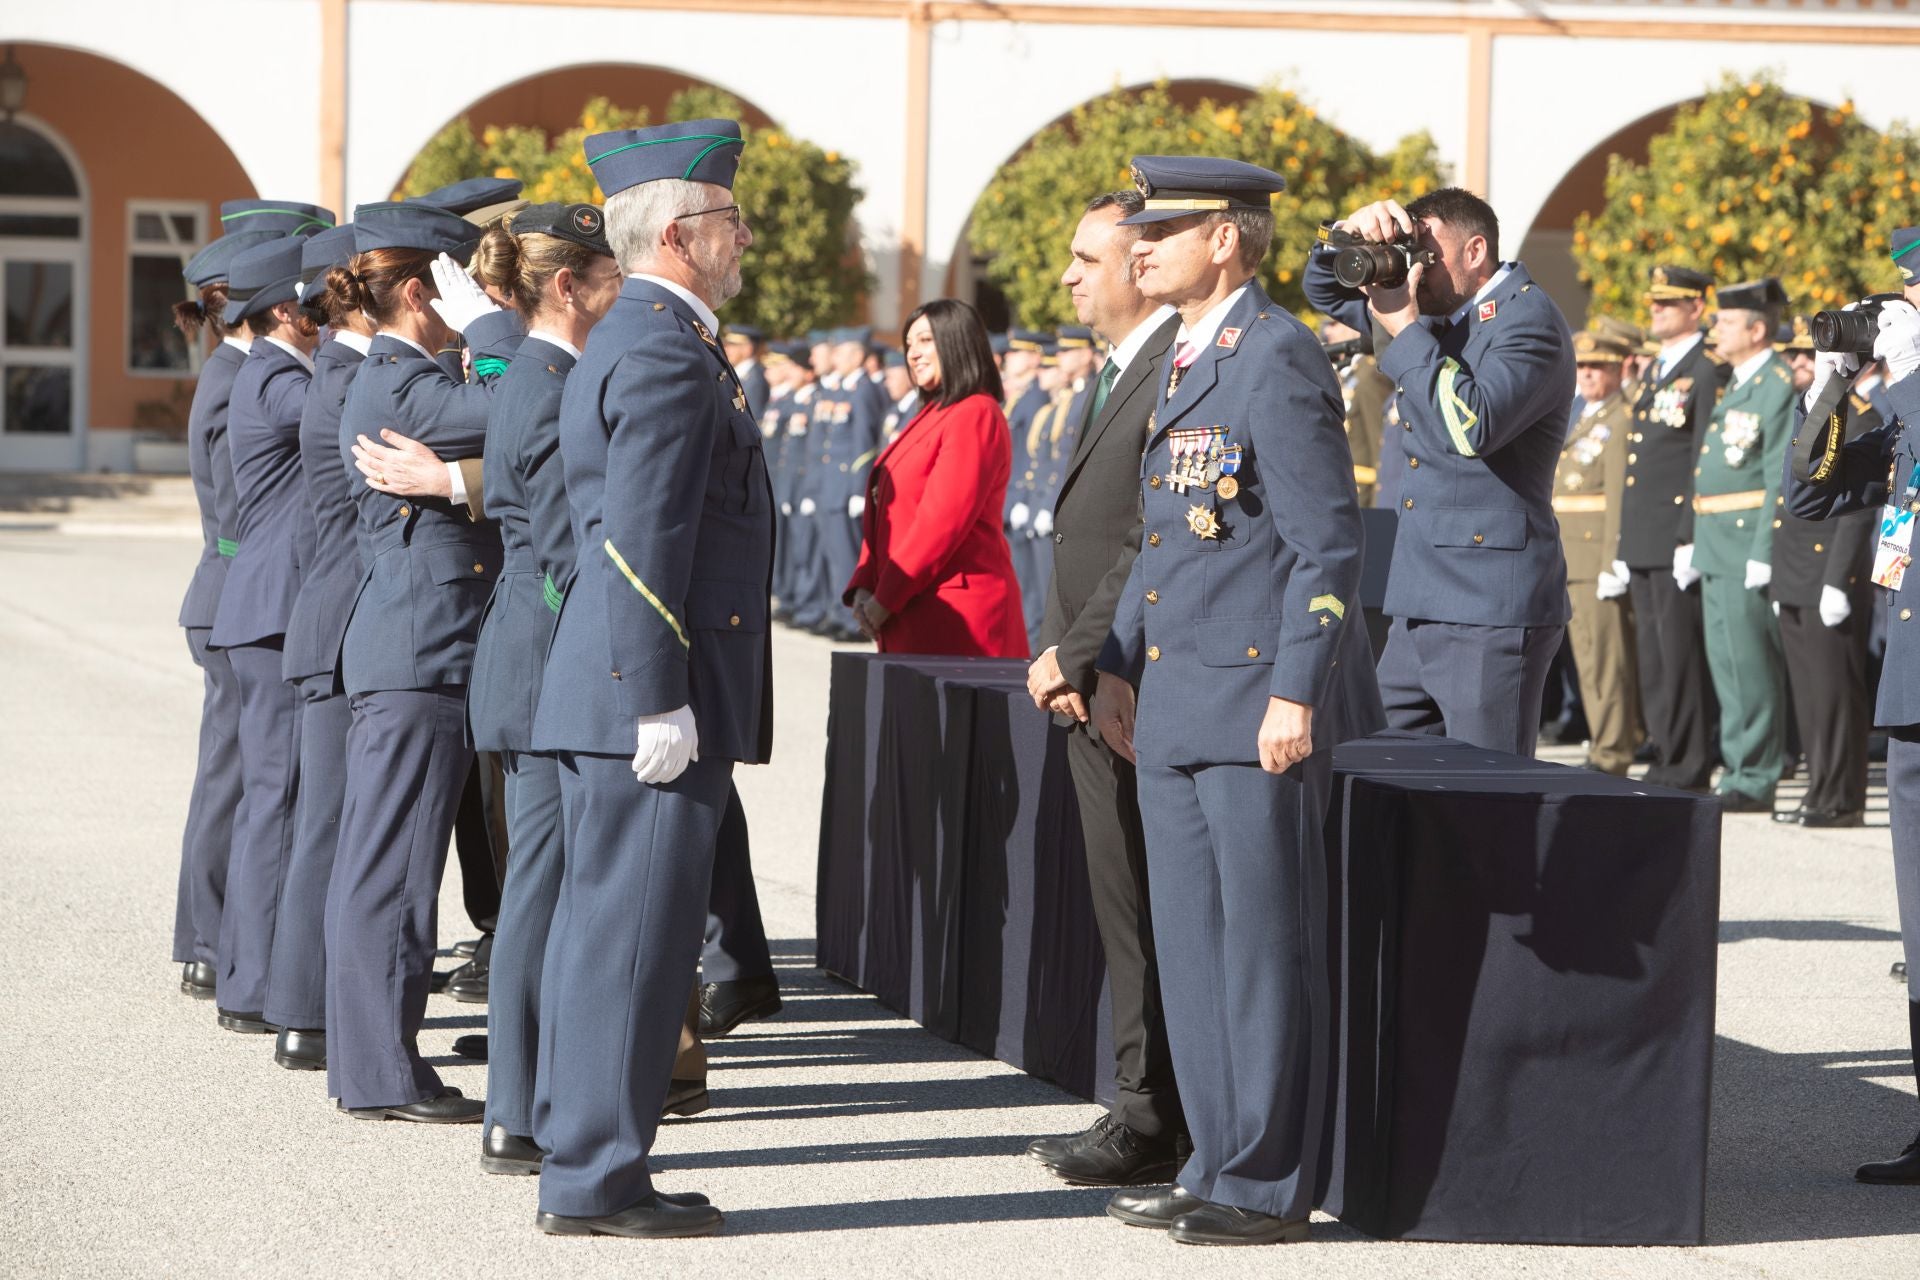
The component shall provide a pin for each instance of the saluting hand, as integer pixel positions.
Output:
(1286, 735)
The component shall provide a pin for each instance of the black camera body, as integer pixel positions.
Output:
(1342, 354)
(1359, 262)
(1852, 331)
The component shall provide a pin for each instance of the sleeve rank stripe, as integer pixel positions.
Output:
(651, 598)
(1460, 419)
(1330, 603)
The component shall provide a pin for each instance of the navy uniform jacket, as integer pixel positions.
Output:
(263, 430)
(1020, 415)
(754, 383)
(331, 566)
(431, 566)
(527, 493)
(1837, 553)
(673, 516)
(211, 464)
(1671, 418)
(1213, 627)
(1878, 468)
(1483, 406)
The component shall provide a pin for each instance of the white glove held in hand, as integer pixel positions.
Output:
(1018, 516)
(806, 506)
(1835, 608)
(461, 300)
(1759, 574)
(855, 505)
(1043, 523)
(666, 745)
(1610, 586)
(1684, 574)
(1899, 341)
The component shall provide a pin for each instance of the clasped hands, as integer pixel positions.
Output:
(869, 614)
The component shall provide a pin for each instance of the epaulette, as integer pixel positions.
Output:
(1860, 403)
(1782, 374)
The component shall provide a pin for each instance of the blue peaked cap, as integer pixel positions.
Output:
(1176, 186)
(693, 151)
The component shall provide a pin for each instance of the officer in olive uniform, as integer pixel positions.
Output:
(1670, 418)
(1822, 591)
(1366, 391)
(1586, 501)
(1879, 471)
(1736, 491)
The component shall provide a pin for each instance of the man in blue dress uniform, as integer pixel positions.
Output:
(659, 678)
(1240, 621)
(1828, 475)
(1482, 364)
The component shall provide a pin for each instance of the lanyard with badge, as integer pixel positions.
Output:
(1895, 553)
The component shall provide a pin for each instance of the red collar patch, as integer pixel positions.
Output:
(1487, 309)
(1227, 338)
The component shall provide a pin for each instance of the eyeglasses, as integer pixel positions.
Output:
(731, 210)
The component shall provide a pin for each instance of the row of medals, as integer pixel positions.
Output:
(1203, 461)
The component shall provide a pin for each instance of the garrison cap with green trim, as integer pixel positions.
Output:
(332, 248)
(1669, 283)
(282, 217)
(478, 200)
(403, 224)
(693, 151)
(582, 224)
(1905, 249)
(1755, 295)
(263, 276)
(211, 264)
(1175, 186)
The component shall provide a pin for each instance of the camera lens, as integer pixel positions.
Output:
(1355, 266)
(1849, 331)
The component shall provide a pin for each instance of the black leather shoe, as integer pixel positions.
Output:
(725, 1005)
(1110, 1154)
(298, 1050)
(1902, 1169)
(449, 1108)
(468, 983)
(474, 1047)
(196, 979)
(465, 948)
(686, 1098)
(658, 1217)
(1741, 802)
(1224, 1224)
(1794, 814)
(503, 1152)
(1154, 1208)
(1833, 818)
(247, 1024)
(1899, 970)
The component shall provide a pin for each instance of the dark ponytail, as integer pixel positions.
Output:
(190, 316)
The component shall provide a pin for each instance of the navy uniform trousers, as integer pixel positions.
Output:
(735, 945)
(297, 977)
(1903, 799)
(613, 999)
(214, 810)
(1478, 684)
(407, 759)
(270, 773)
(1244, 987)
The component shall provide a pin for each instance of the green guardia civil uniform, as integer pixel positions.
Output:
(1736, 496)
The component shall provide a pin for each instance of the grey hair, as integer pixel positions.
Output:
(637, 218)
(1256, 227)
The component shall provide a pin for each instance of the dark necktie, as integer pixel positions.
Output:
(1108, 376)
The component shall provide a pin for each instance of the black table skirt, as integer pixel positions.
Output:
(1524, 977)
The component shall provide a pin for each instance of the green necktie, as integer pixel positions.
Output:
(1108, 376)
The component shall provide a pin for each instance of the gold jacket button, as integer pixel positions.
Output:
(1252, 652)
(1153, 482)
(658, 306)
(1633, 457)
(1816, 546)
(1414, 463)
(1740, 523)
(734, 621)
(1408, 504)
(1153, 597)
(479, 568)
(1778, 523)
(1153, 539)
(405, 511)
(1905, 614)
(1478, 539)
(616, 675)
(1629, 480)
(1153, 653)
(1677, 499)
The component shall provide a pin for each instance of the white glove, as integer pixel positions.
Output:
(667, 744)
(1621, 571)
(1776, 608)
(461, 300)
(1043, 522)
(855, 505)
(1610, 586)
(806, 506)
(1018, 516)
(1835, 608)
(786, 508)
(1759, 574)
(1899, 341)
(1684, 574)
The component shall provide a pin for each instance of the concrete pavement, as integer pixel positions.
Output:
(142, 1140)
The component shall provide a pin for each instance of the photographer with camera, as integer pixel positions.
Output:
(1482, 366)
(1829, 475)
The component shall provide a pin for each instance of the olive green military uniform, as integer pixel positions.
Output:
(1365, 390)
(1736, 499)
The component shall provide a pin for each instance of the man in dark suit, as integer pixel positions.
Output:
(1482, 364)
(1096, 535)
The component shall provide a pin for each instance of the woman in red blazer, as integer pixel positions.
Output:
(935, 574)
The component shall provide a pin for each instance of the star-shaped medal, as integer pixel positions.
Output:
(1202, 522)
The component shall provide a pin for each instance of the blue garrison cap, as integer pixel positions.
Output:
(211, 264)
(797, 350)
(999, 343)
(860, 333)
(693, 151)
(263, 275)
(1175, 186)
(1074, 336)
(403, 224)
(817, 336)
(328, 249)
(891, 359)
(282, 217)
(747, 331)
(473, 195)
(1906, 253)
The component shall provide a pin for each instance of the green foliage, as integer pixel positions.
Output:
(1025, 218)
(804, 269)
(1751, 182)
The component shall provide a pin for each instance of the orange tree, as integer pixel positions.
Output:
(804, 269)
(1748, 182)
(1025, 218)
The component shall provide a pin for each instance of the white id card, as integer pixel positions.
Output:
(1895, 553)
